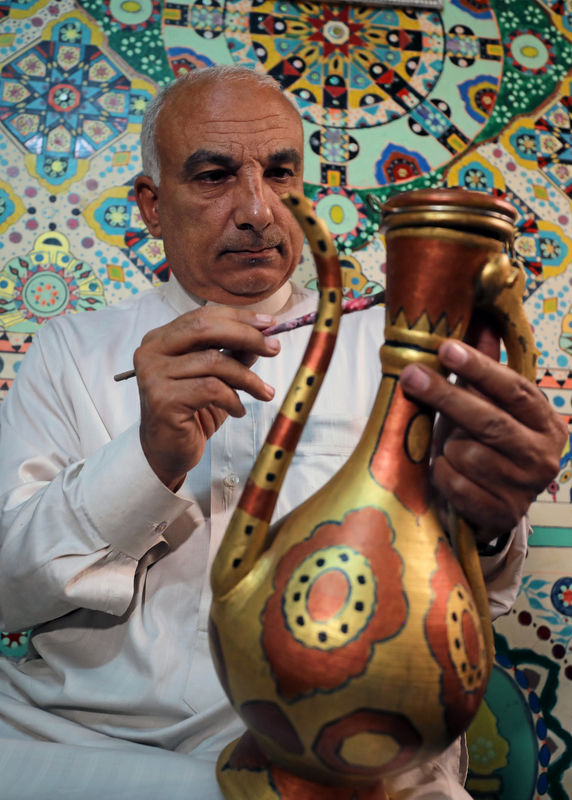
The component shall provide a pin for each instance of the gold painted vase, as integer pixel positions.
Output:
(348, 637)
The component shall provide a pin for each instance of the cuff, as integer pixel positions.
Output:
(503, 571)
(124, 502)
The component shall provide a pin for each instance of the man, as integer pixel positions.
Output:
(115, 496)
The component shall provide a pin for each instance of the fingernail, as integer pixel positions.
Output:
(264, 319)
(415, 379)
(269, 389)
(273, 344)
(454, 355)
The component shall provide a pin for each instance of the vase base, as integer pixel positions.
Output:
(244, 773)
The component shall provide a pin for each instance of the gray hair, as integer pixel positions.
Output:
(219, 72)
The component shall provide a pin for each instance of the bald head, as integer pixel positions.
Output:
(197, 82)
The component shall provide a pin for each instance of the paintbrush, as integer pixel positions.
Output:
(348, 306)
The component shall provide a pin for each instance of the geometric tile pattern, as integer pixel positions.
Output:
(64, 99)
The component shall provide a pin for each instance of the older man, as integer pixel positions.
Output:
(115, 496)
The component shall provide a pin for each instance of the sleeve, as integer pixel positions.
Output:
(442, 777)
(76, 516)
(503, 568)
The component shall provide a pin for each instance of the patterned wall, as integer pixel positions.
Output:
(477, 95)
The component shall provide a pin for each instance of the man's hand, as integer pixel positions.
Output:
(503, 440)
(188, 372)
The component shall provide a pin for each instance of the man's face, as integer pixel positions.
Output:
(227, 153)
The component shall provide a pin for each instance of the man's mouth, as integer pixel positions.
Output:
(253, 252)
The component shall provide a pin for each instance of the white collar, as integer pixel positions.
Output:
(183, 301)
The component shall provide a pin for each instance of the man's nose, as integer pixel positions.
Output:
(253, 203)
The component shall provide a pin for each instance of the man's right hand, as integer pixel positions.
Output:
(188, 372)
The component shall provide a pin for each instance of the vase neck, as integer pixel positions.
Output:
(397, 444)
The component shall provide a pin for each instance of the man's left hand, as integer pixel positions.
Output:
(504, 440)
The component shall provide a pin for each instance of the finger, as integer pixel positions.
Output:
(210, 392)
(210, 418)
(491, 512)
(217, 327)
(512, 393)
(187, 396)
(510, 390)
(179, 397)
(220, 365)
(476, 415)
(243, 356)
(490, 469)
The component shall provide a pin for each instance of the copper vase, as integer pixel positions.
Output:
(393, 667)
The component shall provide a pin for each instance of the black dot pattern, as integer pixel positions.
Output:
(470, 675)
(356, 607)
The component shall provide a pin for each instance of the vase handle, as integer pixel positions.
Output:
(248, 533)
(500, 290)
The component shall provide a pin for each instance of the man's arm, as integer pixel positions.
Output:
(79, 509)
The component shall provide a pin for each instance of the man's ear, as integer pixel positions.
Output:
(147, 197)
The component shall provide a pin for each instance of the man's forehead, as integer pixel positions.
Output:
(245, 142)
(241, 123)
(235, 131)
(238, 100)
(253, 143)
(237, 124)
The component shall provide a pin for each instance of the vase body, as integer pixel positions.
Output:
(353, 648)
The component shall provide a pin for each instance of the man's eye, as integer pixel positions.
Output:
(212, 175)
(280, 172)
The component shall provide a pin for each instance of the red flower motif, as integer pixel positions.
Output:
(337, 594)
(453, 632)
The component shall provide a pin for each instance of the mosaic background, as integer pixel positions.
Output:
(477, 95)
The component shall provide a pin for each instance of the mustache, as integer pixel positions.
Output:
(251, 241)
